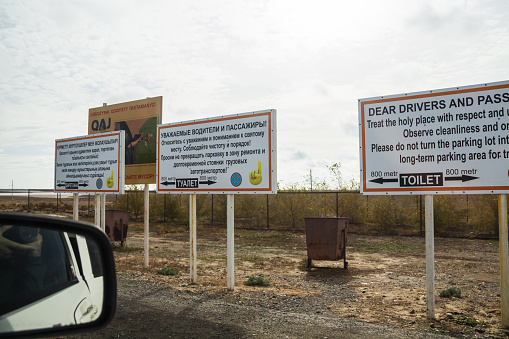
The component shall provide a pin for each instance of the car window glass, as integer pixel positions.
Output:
(95, 257)
(76, 251)
(33, 264)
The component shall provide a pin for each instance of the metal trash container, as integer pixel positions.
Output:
(116, 225)
(326, 239)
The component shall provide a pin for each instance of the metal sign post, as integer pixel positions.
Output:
(97, 210)
(103, 212)
(504, 258)
(230, 247)
(232, 154)
(75, 206)
(146, 225)
(447, 141)
(430, 257)
(192, 238)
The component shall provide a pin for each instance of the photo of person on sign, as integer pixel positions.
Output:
(140, 146)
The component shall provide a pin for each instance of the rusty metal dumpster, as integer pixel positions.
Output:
(326, 239)
(116, 225)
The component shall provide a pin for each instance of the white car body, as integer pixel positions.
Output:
(80, 302)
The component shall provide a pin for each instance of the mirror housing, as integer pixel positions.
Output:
(88, 268)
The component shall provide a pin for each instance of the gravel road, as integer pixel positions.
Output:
(150, 310)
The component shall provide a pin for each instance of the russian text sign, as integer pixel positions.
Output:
(436, 142)
(92, 163)
(139, 120)
(229, 154)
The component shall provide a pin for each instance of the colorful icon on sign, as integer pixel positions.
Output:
(109, 181)
(99, 183)
(236, 179)
(255, 177)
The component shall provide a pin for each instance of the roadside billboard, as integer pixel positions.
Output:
(231, 154)
(92, 163)
(139, 120)
(436, 142)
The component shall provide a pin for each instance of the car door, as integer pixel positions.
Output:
(57, 284)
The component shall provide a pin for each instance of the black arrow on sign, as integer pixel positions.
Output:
(463, 178)
(208, 182)
(382, 180)
(166, 183)
(84, 185)
(61, 185)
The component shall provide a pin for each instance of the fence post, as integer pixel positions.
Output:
(467, 208)
(337, 205)
(367, 208)
(268, 226)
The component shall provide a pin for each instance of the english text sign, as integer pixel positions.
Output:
(445, 141)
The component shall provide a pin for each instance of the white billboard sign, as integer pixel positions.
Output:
(436, 142)
(90, 164)
(229, 154)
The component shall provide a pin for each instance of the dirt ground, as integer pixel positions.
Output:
(384, 282)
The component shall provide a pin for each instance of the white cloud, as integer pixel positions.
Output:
(311, 61)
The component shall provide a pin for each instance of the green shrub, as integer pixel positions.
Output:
(449, 213)
(469, 321)
(383, 213)
(257, 281)
(290, 209)
(483, 214)
(251, 210)
(451, 292)
(167, 271)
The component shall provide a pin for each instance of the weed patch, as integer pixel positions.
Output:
(124, 249)
(167, 271)
(463, 320)
(450, 292)
(257, 281)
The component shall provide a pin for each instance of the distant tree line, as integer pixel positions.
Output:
(454, 215)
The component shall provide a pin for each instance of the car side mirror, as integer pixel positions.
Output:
(56, 276)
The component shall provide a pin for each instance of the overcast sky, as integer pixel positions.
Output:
(309, 60)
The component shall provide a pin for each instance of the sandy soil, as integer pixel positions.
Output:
(384, 282)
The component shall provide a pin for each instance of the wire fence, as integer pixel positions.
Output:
(455, 215)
